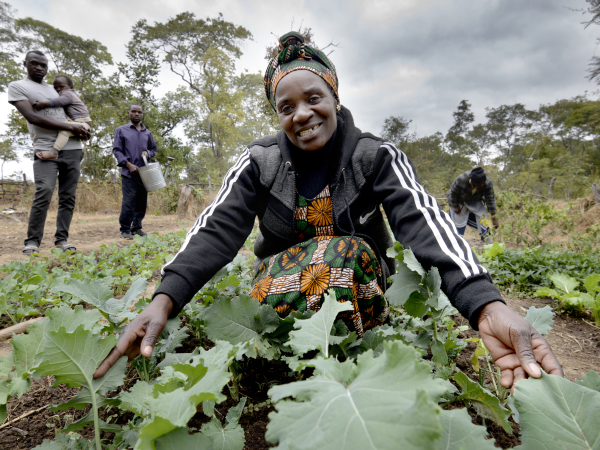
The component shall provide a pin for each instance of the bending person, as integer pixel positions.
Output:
(317, 187)
(469, 195)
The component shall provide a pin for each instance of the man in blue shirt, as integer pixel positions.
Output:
(131, 142)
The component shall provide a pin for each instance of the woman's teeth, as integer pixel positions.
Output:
(310, 130)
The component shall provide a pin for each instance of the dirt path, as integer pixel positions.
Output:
(88, 232)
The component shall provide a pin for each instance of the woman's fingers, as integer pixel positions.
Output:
(153, 331)
(125, 346)
(108, 362)
(521, 338)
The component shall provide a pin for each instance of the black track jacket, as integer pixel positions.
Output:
(370, 173)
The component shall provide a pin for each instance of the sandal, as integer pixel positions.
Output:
(48, 155)
(30, 249)
(65, 246)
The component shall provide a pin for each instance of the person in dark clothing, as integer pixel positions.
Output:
(44, 126)
(317, 188)
(132, 142)
(469, 195)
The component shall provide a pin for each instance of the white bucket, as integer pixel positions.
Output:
(151, 176)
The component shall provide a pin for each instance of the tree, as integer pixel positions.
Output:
(507, 126)
(594, 66)
(259, 118)
(81, 59)
(457, 145)
(480, 136)
(10, 69)
(396, 130)
(202, 53)
(141, 73)
(7, 154)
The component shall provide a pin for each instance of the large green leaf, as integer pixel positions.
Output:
(315, 333)
(73, 357)
(590, 380)
(136, 400)
(412, 263)
(540, 318)
(95, 293)
(386, 402)
(564, 282)
(592, 284)
(485, 403)
(239, 319)
(180, 439)
(459, 432)
(557, 413)
(230, 436)
(404, 283)
(173, 407)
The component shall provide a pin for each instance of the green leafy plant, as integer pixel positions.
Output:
(572, 300)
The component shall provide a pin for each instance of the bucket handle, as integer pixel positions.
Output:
(145, 160)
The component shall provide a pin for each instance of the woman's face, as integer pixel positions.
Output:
(306, 109)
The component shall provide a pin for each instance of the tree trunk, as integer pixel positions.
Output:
(596, 190)
(188, 205)
(209, 185)
(551, 190)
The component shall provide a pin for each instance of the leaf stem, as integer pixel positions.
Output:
(146, 377)
(96, 421)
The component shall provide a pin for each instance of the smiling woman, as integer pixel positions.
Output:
(317, 188)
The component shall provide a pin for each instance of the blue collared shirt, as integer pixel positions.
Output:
(129, 144)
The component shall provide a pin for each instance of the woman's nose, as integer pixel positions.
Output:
(303, 113)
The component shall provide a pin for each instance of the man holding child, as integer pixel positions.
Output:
(44, 126)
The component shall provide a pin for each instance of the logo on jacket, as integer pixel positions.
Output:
(363, 219)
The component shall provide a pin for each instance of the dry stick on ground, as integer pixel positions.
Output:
(23, 416)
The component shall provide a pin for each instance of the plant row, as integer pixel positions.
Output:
(384, 390)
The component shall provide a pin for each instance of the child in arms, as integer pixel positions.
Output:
(75, 110)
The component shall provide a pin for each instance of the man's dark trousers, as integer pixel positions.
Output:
(135, 201)
(45, 173)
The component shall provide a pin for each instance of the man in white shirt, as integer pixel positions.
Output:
(43, 127)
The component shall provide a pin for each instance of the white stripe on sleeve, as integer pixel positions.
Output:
(230, 178)
(426, 204)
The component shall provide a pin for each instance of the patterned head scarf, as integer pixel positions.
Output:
(295, 55)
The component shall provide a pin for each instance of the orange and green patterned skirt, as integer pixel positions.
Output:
(297, 278)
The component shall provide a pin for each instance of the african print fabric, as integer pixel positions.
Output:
(294, 55)
(297, 278)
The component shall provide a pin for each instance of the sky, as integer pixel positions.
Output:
(412, 58)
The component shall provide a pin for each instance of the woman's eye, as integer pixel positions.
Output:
(286, 109)
(313, 99)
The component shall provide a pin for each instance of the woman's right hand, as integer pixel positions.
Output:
(141, 335)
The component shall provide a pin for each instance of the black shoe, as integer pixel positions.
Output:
(139, 233)
(126, 235)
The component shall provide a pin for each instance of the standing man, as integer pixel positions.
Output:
(132, 141)
(468, 198)
(43, 126)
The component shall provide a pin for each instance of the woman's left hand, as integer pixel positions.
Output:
(516, 347)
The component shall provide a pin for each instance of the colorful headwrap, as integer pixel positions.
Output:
(295, 55)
